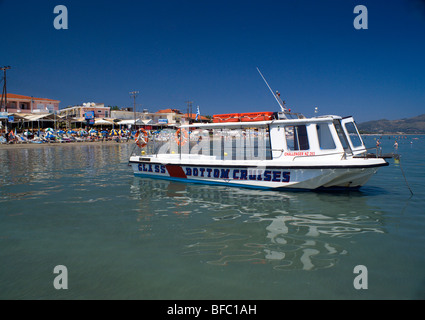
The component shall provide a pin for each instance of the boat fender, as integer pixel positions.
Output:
(141, 138)
(183, 138)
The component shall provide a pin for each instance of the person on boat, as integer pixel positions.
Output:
(396, 145)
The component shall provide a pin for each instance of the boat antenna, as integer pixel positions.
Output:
(275, 95)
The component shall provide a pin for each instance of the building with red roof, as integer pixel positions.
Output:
(174, 116)
(17, 103)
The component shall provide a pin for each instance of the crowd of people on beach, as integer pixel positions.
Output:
(50, 135)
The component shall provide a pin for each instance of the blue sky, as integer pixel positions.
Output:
(207, 51)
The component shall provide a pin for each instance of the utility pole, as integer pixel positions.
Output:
(189, 110)
(134, 94)
(4, 94)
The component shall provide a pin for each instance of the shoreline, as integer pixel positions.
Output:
(58, 144)
(30, 145)
(392, 134)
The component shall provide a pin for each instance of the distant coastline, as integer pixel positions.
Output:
(392, 134)
(59, 145)
(415, 125)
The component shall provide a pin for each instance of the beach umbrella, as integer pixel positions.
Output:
(83, 132)
(102, 122)
(71, 132)
(114, 132)
(49, 130)
(49, 135)
(93, 132)
(61, 132)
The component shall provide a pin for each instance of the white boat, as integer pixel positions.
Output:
(265, 150)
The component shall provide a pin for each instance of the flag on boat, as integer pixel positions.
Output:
(198, 114)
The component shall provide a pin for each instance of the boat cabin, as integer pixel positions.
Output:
(285, 137)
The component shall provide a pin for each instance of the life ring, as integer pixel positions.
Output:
(141, 138)
(183, 138)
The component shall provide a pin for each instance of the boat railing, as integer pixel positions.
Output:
(342, 153)
(290, 115)
(377, 153)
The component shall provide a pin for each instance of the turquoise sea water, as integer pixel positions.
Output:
(124, 237)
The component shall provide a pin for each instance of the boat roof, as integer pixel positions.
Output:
(260, 124)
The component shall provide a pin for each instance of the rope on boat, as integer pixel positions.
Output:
(397, 158)
(131, 153)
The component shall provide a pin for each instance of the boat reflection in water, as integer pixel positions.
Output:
(225, 225)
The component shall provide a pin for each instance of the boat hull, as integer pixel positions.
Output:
(261, 177)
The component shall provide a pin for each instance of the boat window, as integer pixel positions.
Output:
(354, 136)
(296, 138)
(324, 134)
(341, 135)
(220, 144)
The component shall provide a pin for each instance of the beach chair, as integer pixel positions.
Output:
(22, 139)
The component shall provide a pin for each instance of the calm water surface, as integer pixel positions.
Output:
(123, 237)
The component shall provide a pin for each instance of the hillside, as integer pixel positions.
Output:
(415, 125)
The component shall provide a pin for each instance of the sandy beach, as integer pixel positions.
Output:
(59, 145)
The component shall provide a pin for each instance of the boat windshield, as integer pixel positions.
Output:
(353, 134)
(342, 137)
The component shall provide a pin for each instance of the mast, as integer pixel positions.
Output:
(275, 95)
